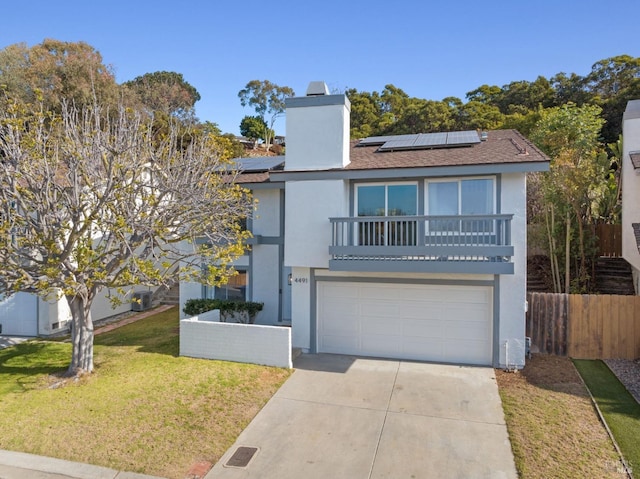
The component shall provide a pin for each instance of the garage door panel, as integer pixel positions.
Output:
(416, 348)
(419, 310)
(468, 313)
(430, 328)
(422, 322)
(339, 344)
(380, 345)
(465, 351)
(376, 325)
(467, 330)
(385, 309)
(342, 326)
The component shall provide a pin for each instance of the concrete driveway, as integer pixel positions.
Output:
(347, 417)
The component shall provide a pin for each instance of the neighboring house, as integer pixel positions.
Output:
(27, 314)
(410, 246)
(631, 189)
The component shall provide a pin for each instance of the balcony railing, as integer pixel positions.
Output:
(456, 243)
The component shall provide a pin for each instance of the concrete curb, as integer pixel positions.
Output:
(20, 462)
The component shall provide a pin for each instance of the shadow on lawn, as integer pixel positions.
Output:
(22, 362)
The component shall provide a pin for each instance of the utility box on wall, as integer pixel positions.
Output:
(141, 301)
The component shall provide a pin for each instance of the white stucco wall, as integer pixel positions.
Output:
(309, 205)
(630, 184)
(513, 287)
(301, 308)
(246, 343)
(266, 217)
(102, 307)
(318, 134)
(188, 291)
(265, 286)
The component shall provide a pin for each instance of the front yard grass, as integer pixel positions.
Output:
(144, 409)
(553, 427)
(619, 409)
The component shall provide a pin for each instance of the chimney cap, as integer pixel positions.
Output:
(317, 88)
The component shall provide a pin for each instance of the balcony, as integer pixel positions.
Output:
(479, 244)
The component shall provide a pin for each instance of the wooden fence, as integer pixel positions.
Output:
(609, 240)
(584, 326)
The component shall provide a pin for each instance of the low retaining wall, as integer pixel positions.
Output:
(204, 337)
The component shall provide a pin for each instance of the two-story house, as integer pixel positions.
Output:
(407, 246)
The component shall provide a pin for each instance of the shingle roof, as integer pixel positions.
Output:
(636, 233)
(261, 177)
(501, 147)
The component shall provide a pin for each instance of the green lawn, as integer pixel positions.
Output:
(620, 410)
(553, 428)
(144, 409)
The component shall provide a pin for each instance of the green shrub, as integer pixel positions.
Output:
(193, 307)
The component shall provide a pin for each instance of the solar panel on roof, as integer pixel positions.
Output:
(405, 143)
(380, 140)
(463, 137)
(431, 139)
(264, 163)
(422, 140)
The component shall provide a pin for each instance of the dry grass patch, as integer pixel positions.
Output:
(143, 410)
(553, 427)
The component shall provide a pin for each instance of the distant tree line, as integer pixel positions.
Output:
(611, 83)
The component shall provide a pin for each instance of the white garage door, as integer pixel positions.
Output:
(424, 322)
(19, 315)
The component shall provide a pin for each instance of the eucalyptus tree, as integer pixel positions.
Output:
(93, 200)
(268, 101)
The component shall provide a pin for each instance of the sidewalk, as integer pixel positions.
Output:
(18, 465)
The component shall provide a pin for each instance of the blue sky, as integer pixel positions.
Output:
(428, 49)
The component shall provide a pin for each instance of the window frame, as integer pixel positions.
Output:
(209, 292)
(385, 233)
(386, 185)
(459, 181)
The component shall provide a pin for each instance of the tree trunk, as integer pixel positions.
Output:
(81, 335)
(567, 259)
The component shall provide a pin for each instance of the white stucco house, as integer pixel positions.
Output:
(27, 314)
(631, 189)
(409, 246)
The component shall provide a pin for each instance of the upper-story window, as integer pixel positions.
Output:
(393, 199)
(387, 199)
(474, 196)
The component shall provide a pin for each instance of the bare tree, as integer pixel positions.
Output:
(92, 199)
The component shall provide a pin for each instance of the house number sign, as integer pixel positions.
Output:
(300, 280)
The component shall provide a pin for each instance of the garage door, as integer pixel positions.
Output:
(19, 315)
(423, 322)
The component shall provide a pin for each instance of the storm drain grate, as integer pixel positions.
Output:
(241, 457)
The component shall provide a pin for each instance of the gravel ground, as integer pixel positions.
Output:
(628, 373)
